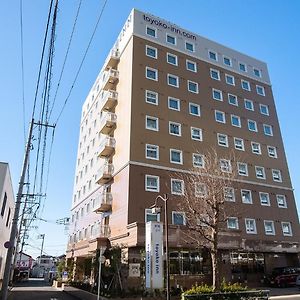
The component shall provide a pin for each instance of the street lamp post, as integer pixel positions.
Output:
(155, 206)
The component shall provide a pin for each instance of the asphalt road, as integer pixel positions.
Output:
(290, 293)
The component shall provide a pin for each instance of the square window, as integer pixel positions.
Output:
(191, 66)
(175, 128)
(212, 55)
(192, 87)
(151, 97)
(264, 199)
(242, 169)
(151, 74)
(215, 74)
(232, 223)
(250, 225)
(198, 160)
(151, 123)
(189, 46)
(173, 80)
(229, 79)
(220, 116)
(150, 216)
(174, 103)
(269, 227)
(151, 51)
(281, 201)
(227, 61)
(178, 218)
(217, 95)
(286, 228)
(260, 90)
(171, 39)
(194, 109)
(225, 165)
(245, 85)
(232, 99)
(242, 67)
(229, 194)
(272, 151)
(152, 183)
(152, 152)
(177, 187)
(235, 121)
(172, 59)
(268, 130)
(151, 31)
(260, 172)
(252, 126)
(276, 174)
(264, 109)
(200, 190)
(257, 72)
(239, 144)
(256, 149)
(249, 104)
(246, 196)
(222, 139)
(196, 134)
(176, 156)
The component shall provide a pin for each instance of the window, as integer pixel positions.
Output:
(191, 66)
(239, 144)
(255, 148)
(272, 151)
(189, 46)
(222, 139)
(286, 228)
(252, 126)
(220, 116)
(232, 223)
(242, 169)
(151, 74)
(215, 74)
(173, 80)
(249, 104)
(171, 39)
(245, 85)
(8, 217)
(198, 160)
(172, 59)
(276, 174)
(176, 156)
(178, 218)
(217, 95)
(177, 187)
(281, 201)
(151, 51)
(229, 194)
(3, 204)
(225, 165)
(200, 190)
(150, 216)
(151, 97)
(235, 121)
(152, 152)
(152, 183)
(246, 196)
(151, 123)
(242, 67)
(268, 130)
(260, 90)
(212, 55)
(175, 128)
(174, 103)
(196, 134)
(264, 199)
(192, 87)
(194, 109)
(250, 225)
(264, 109)
(229, 79)
(257, 72)
(151, 31)
(269, 227)
(227, 61)
(232, 99)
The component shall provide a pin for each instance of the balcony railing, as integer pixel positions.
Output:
(112, 59)
(108, 122)
(109, 100)
(105, 173)
(110, 79)
(103, 202)
(107, 146)
(100, 231)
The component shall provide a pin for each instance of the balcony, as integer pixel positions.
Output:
(109, 100)
(103, 202)
(105, 173)
(110, 79)
(99, 237)
(112, 59)
(107, 147)
(108, 122)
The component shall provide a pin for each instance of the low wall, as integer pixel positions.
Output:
(80, 294)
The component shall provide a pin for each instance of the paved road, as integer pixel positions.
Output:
(37, 289)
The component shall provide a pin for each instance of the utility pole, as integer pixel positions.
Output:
(14, 228)
(42, 236)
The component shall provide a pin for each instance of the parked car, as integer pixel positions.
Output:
(283, 276)
(298, 281)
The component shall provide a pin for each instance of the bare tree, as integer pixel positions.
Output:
(207, 188)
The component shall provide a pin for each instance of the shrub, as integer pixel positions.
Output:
(232, 287)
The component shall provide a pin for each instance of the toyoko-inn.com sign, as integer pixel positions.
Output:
(154, 255)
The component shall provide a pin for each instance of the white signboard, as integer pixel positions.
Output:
(154, 255)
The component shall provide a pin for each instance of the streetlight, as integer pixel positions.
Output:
(99, 270)
(156, 209)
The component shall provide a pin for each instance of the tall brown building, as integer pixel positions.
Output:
(162, 99)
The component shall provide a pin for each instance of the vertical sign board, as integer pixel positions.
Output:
(154, 255)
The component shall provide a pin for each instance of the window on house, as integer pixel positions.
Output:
(151, 97)
(152, 151)
(225, 165)
(215, 74)
(194, 109)
(173, 80)
(189, 46)
(260, 90)
(177, 187)
(276, 174)
(255, 148)
(246, 196)
(172, 59)
(193, 87)
(232, 99)
(264, 199)
(196, 134)
(198, 160)
(286, 228)
(257, 72)
(227, 61)
(152, 183)
(174, 103)
(242, 169)
(220, 116)
(151, 31)
(229, 194)
(175, 128)
(151, 123)
(249, 104)
(3, 204)
(200, 190)
(178, 218)
(8, 217)
(232, 223)
(281, 201)
(245, 85)
(252, 126)
(217, 95)
(151, 51)
(264, 109)
(235, 121)
(212, 55)
(268, 129)
(269, 227)
(239, 144)
(242, 67)
(191, 66)
(222, 139)
(229, 79)
(171, 39)
(151, 74)
(250, 225)
(176, 156)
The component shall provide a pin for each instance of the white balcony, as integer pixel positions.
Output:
(109, 100)
(103, 202)
(108, 122)
(105, 173)
(107, 147)
(110, 79)
(112, 59)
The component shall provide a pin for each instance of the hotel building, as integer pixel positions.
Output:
(163, 98)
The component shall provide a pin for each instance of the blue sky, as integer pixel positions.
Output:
(267, 30)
